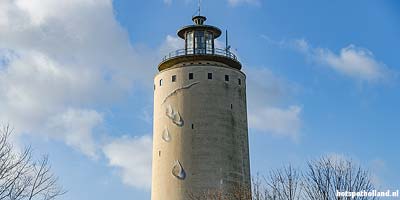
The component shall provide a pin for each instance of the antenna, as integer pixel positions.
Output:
(227, 46)
(199, 8)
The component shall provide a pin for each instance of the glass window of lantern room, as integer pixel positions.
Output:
(199, 42)
(189, 42)
(209, 43)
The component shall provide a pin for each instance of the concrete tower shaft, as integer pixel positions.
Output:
(200, 139)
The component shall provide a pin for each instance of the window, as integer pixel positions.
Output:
(192, 126)
(189, 43)
(231, 106)
(240, 81)
(161, 81)
(209, 43)
(190, 76)
(199, 42)
(209, 75)
(226, 77)
(173, 78)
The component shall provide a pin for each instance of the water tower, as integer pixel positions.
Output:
(200, 139)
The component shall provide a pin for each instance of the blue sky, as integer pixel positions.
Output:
(76, 83)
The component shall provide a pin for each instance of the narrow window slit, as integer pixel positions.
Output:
(209, 75)
(226, 77)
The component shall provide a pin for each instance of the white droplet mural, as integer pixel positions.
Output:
(178, 171)
(174, 116)
(165, 135)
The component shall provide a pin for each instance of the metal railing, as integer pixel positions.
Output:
(215, 51)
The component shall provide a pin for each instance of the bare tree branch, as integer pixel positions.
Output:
(326, 176)
(20, 177)
(319, 181)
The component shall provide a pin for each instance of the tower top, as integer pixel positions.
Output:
(199, 20)
(199, 26)
(200, 45)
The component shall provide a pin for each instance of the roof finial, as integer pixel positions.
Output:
(198, 19)
(199, 7)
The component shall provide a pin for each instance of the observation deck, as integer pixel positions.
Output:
(199, 46)
(188, 55)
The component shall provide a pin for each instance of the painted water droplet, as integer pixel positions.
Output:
(169, 112)
(166, 136)
(178, 119)
(178, 171)
(174, 116)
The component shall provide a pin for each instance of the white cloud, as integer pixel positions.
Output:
(237, 2)
(76, 127)
(352, 61)
(168, 2)
(62, 60)
(132, 156)
(36, 91)
(281, 121)
(40, 11)
(171, 44)
(230, 2)
(268, 110)
(378, 167)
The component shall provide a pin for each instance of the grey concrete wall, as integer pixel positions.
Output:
(214, 153)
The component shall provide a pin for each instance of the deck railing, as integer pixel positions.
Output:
(215, 51)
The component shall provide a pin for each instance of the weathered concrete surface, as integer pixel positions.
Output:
(215, 153)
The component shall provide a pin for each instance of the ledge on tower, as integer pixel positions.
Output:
(189, 55)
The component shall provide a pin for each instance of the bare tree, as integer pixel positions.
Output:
(22, 178)
(258, 188)
(283, 184)
(319, 181)
(327, 176)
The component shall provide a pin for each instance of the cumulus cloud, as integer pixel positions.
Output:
(168, 2)
(76, 127)
(58, 69)
(352, 61)
(237, 2)
(281, 121)
(40, 96)
(230, 2)
(268, 112)
(171, 44)
(132, 157)
(378, 167)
